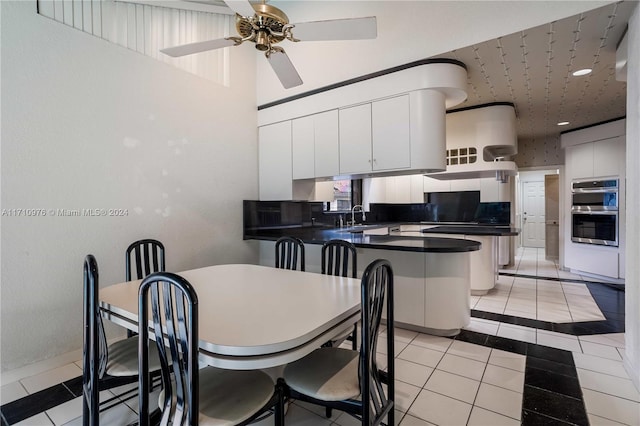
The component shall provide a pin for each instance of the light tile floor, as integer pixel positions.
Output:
(546, 300)
(439, 381)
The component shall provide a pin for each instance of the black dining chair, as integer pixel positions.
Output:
(147, 256)
(288, 251)
(104, 366)
(192, 396)
(340, 258)
(349, 380)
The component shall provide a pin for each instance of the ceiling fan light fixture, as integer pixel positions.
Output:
(579, 73)
(262, 41)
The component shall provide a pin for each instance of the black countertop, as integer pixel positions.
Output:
(318, 235)
(500, 231)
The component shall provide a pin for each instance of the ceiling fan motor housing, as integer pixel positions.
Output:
(268, 21)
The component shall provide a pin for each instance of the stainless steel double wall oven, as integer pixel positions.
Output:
(594, 211)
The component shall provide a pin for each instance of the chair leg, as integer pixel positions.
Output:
(279, 411)
(328, 412)
(354, 337)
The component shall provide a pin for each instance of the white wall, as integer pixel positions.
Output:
(407, 31)
(632, 272)
(88, 124)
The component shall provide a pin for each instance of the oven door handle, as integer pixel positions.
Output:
(595, 212)
(596, 190)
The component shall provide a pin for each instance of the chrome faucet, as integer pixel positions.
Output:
(353, 211)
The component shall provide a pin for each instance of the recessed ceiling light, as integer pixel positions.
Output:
(563, 123)
(581, 72)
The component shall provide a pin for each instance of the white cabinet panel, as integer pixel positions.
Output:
(398, 189)
(355, 139)
(391, 139)
(327, 150)
(580, 161)
(436, 185)
(408, 281)
(465, 184)
(489, 190)
(594, 260)
(315, 146)
(608, 157)
(274, 161)
(302, 146)
(417, 189)
(374, 190)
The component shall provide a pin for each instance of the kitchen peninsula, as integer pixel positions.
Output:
(432, 274)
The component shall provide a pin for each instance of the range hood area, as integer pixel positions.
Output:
(480, 141)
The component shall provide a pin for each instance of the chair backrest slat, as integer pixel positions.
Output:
(288, 249)
(377, 285)
(336, 257)
(174, 318)
(91, 347)
(147, 256)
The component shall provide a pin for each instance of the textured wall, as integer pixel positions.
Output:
(89, 124)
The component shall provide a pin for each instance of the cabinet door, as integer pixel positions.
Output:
(391, 138)
(580, 161)
(355, 139)
(327, 150)
(274, 161)
(417, 189)
(608, 157)
(398, 189)
(302, 146)
(490, 190)
(436, 185)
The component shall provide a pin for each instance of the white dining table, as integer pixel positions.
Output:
(253, 316)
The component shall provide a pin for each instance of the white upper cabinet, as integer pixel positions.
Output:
(609, 157)
(376, 136)
(327, 151)
(601, 158)
(391, 139)
(597, 151)
(274, 161)
(579, 159)
(302, 146)
(355, 139)
(315, 145)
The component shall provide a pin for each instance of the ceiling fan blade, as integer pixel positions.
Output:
(337, 29)
(241, 7)
(284, 69)
(200, 46)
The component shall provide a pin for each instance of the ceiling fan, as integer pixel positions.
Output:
(266, 25)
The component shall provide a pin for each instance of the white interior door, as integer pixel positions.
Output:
(533, 220)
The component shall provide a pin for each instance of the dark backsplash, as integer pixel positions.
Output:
(498, 213)
(300, 214)
(413, 212)
(277, 214)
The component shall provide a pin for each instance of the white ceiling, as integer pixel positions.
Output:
(532, 69)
